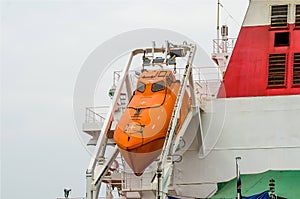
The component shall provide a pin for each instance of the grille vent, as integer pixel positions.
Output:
(297, 15)
(296, 71)
(276, 75)
(279, 16)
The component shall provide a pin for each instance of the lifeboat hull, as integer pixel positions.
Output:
(140, 149)
(140, 158)
(141, 130)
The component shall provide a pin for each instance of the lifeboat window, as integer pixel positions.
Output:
(178, 52)
(158, 86)
(170, 80)
(296, 70)
(141, 87)
(279, 15)
(276, 71)
(297, 16)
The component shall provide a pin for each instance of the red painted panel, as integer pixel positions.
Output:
(247, 71)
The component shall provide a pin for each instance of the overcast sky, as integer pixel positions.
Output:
(43, 47)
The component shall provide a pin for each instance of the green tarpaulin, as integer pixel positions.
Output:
(287, 184)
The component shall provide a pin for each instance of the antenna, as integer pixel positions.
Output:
(218, 19)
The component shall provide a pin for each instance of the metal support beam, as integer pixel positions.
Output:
(167, 148)
(101, 143)
(200, 134)
(128, 86)
(98, 177)
(93, 180)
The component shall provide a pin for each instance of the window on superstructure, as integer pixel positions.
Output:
(296, 69)
(282, 39)
(276, 71)
(279, 15)
(297, 17)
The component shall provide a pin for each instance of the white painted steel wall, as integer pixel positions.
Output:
(259, 12)
(264, 131)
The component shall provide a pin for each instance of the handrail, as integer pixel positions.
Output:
(218, 45)
(91, 115)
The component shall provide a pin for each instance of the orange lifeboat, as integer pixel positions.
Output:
(141, 130)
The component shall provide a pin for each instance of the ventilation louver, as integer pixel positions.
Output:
(296, 71)
(276, 75)
(279, 16)
(297, 21)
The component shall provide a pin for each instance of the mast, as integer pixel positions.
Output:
(218, 21)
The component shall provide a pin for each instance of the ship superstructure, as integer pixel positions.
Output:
(254, 115)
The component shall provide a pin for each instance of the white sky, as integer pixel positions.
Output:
(43, 46)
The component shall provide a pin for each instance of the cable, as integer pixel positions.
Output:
(237, 23)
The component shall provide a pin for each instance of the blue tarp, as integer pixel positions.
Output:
(263, 195)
